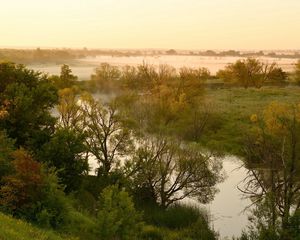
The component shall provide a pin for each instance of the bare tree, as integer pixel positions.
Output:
(173, 172)
(107, 137)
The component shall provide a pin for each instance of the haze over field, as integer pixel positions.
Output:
(192, 24)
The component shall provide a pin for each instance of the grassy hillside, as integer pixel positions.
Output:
(13, 229)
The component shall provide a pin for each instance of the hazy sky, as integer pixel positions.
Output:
(184, 24)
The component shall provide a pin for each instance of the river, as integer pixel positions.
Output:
(226, 210)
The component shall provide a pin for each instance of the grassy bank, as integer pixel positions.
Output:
(233, 108)
(13, 229)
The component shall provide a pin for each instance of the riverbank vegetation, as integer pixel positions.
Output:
(113, 157)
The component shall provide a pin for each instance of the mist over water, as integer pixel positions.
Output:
(86, 66)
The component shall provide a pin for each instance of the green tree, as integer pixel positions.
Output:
(66, 152)
(117, 217)
(6, 150)
(27, 97)
(252, 72)
(66, 79)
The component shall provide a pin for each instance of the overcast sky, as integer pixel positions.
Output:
(180, 24)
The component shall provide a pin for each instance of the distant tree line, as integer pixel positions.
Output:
(67, 55)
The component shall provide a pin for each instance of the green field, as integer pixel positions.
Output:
(233, 108)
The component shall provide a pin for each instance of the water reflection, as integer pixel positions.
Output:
(226, 211)
(228, 206)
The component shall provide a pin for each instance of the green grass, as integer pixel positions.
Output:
(14, 229)
(233, 108)
(175, 217)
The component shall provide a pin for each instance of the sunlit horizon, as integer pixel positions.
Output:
(133, 24)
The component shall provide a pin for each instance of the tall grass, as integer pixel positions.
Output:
(14, 229)
(175, 217)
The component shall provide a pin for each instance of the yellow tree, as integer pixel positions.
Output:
(69, 109)
(272, 153)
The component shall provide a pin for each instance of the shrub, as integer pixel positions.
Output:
(117, 217)
(32, 192)
(199, 231)
(175, 217)
(152, 233)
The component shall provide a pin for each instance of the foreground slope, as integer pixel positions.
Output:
(13, 229)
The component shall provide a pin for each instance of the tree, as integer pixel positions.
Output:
(27, 97)
(117, 216)
(198, 119)
(105, 77)
(172, 172)
(272, 153)
(24, 186)
(166, 97)
(70, 115)
(66, 79)
(108, 138)
(252, 73)
(191, 82)
(31, 191)
(66, 152)
(6, 150)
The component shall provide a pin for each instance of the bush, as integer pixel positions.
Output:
(152, 233)
(6, 149)
(32, 192)
(199, 231)
(175, 217)
(81, 225)
(53, 210)
(117, 217)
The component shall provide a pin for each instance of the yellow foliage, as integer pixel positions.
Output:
(3, 113)
(253, 118)
(277, 116)
(3, 109)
